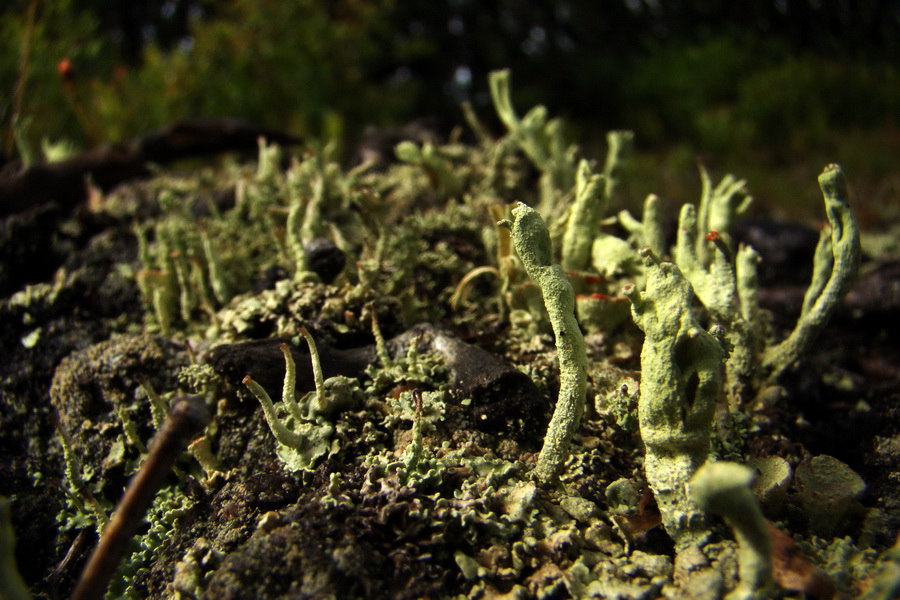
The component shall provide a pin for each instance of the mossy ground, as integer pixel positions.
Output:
(465, 519)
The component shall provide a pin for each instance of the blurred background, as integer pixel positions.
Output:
(768, 89)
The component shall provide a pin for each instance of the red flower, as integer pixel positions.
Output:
(65, 69)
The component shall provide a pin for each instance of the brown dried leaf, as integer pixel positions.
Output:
(793, 571)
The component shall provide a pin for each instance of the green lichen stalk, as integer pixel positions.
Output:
(593, 193)
(532, 242)
(681, 379)
(714, 281)
(621, 145)
(719, 206)
(726, 285)
(318, 376)
(541, 140)
(837, 256)
(649, 232)
(723, 488)
(584, 218)
(302, 437)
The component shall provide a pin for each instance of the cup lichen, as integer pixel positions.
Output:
(304, 437)
(411, 442)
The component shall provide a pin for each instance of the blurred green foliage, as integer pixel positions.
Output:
(300, 66)
(285, 64)
(734, 93)
(723, 77)
(33, 39)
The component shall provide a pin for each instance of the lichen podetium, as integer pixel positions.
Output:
(836, 266)
(723, 488)
(681, 379)
(532, 242)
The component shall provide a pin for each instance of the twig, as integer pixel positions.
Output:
(187, 417)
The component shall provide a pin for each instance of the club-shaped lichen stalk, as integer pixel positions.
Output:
(723, 488)
(285, 436)
(318, 375)
(584, 218)
(532, 242)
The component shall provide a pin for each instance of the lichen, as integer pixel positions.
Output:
(304, 435)
(407, 475)
(681, 378)
(532, 242)
(723, 488)
(836, 266)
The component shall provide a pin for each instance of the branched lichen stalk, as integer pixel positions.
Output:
(718, 208)
(649, 231)
(541, 140)
(532, 242)
(283, 435)
(528, 132)
(714, 281)
(726, 285)
(842, 264)
(681, 379)
(302, 437)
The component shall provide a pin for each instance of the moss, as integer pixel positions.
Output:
(95, 389)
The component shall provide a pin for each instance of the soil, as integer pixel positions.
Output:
(74, 328)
